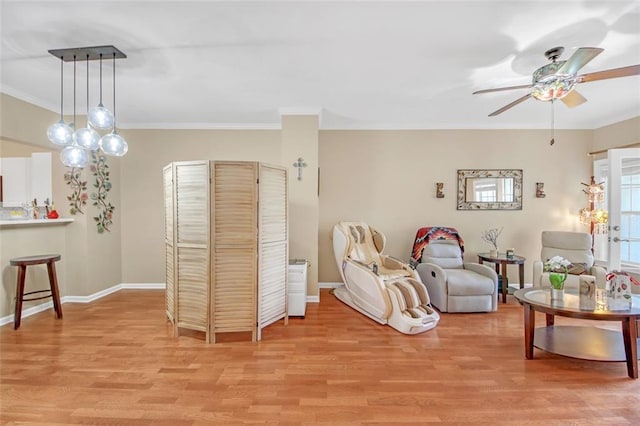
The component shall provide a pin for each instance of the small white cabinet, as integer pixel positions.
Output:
(297, 289)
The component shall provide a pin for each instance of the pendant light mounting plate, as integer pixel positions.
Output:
(93, 53)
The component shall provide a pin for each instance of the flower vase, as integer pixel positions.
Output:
(557, 285)
(493, 252)
(557, 293)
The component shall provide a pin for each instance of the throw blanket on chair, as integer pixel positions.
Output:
(426, 235)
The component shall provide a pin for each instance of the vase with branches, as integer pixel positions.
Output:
(490, 236)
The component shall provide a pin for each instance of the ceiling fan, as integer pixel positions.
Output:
(557, 80)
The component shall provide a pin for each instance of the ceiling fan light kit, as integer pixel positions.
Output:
(558, 79)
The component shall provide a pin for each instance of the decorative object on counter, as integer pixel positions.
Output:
(100, 170)
(299, 164)
(28, 208)
(557, 267)
(594, 215)
(53, 213)
(540, 190)
(78, 143)
(36, 210)
(439, 189)
(79, 196)
(510, 253)
(490, 236)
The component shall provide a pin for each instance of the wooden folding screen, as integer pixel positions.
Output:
(227, 259)
(169, 238)
(273, 248)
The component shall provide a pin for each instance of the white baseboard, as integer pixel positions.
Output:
(329, 284)
(83, 299)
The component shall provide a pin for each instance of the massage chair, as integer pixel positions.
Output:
(379, 286)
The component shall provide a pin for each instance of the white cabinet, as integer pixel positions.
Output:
(26, 178)
(297, 289)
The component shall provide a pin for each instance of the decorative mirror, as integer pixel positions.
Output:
(490, 189)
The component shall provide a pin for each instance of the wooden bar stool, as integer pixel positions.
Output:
(22, 263)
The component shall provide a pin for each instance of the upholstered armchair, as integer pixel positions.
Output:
(455, 285)
(576, 248)
(377, 285)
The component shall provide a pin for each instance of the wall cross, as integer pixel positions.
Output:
(299, 164)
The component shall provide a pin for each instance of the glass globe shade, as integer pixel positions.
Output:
(87, 138)
(114, 144)
(60, 134)
(100, 118)
(74, 156)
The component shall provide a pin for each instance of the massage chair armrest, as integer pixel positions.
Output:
(362, 270)
(391, 262)
(482, 270)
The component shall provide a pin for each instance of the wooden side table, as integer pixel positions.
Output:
(22, 263)
(502, 259)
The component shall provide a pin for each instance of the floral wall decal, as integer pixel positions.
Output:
(100, 170)
(79, 197)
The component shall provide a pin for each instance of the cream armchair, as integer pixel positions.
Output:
(455, 285)
(379, 286)
(576, 248)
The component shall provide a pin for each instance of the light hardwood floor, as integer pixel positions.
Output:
(115, 361)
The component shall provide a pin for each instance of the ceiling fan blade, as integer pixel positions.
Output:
(612, 73)
(500, 89)
(579, 59)
(573, 99)
(511, 105)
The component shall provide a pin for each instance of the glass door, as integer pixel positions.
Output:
(623, 194)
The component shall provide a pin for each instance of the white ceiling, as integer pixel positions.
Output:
(364, 65)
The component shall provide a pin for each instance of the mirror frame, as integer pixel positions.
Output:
(516, 174)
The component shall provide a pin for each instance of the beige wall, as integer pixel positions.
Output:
(142, 199)
(300, 139)
(387, 178)
(619, 135)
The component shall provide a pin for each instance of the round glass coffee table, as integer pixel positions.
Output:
(584, 342)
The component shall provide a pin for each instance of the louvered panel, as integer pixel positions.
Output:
(192, 288)
(167, 176)
(272, 282)
(273, 203)
(192, 202)
(235, 206)
(170, 288)
(235, 290)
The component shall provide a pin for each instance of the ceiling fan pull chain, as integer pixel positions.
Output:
(553, 140)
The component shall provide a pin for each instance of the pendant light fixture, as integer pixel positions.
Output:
(86, 137)
(73, 155)
(100, 117)
(113, 143)
(61, 133)
(79, 143)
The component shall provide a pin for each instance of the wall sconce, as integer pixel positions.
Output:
(540, 190)
(439, 189)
